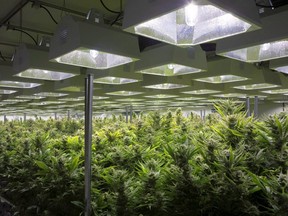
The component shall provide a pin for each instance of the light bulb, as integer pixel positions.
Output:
(94, 53)
(170, 66)
(191, 14)
(266, 46)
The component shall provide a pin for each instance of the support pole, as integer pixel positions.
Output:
(204, 114)
(88, 141)
(5, 118)
(68, 114)
(24, 117)
(256, 102)
(126, 114)
(248, 106)
(131, 113)
(55, 116)
(201, 114)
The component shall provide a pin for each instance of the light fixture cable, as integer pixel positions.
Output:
(108, 9)
(49, 13)
(22, 31)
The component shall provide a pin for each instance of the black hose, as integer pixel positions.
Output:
(108, 9)
(15, 29)
(49, 14)
(117, 19)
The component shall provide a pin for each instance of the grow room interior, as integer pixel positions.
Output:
(49, 47)
(157, 69)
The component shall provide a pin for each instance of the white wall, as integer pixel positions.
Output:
(267, 109)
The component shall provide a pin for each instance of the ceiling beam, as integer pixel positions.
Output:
(14, 11)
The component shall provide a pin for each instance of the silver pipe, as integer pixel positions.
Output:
(248, 106)
(88, 141)
(256, 111)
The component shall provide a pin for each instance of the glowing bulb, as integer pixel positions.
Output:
(266, 46)
(45, 71)
(191, 14)
(94, 53)
(171, 66)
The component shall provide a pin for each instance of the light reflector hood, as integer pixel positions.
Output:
(270, 42)
(33, 62)
(92, 45)
(167, 60)
(190, 22)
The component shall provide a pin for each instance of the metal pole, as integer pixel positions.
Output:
(24, 117)
(88, 141)
(201, 115)
(5, 119)
(126, 114)
(256, 100)
(248, 106)
(204, 114)
(68, 114)
(131, 113)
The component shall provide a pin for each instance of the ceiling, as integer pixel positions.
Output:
(27, 21)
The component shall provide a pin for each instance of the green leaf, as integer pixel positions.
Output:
(42, 165)
(74, 164)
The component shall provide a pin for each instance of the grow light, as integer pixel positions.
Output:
(32, 97)
(179, 104)
(276, 91)
(280, 102)
(92, 45)
(156, 103)
(262, 97)
(33, 62)
(201, 91)
(44, 74)
(16, 100)
(222, 79)
(50, 94)
(170, 70)
(189, 98)
(15, 84)
(95, 98)
(46, 103)
(124, 93)
(93, 59)
(5, 91)
(114, 80)
(258, 53)
(161, 96)
(130, 100)
(2, 103)
(70, 99)
(256, 86)
(189, 22)
(283, 69)
(72, 89)
(280, 65)
(231, 95)
(166, 86)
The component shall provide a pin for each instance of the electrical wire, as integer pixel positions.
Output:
(117, 18)
(15, 29)
(41, 6)
(108, 9)
(2, 56)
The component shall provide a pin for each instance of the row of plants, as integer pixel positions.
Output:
(158, 165)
